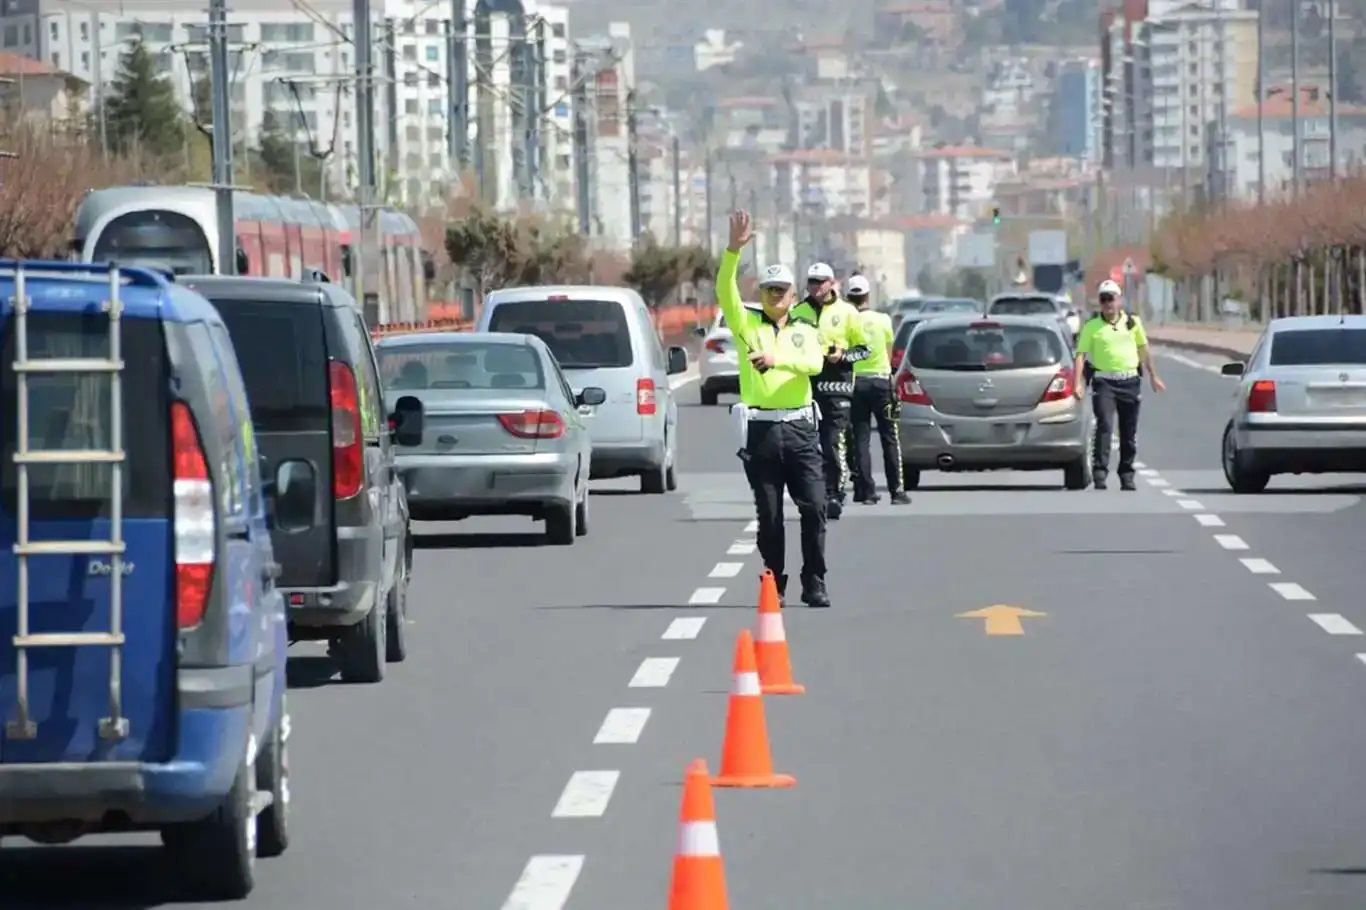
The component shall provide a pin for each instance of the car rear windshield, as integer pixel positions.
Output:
(491, 365)
(1308, 347)
(985, 346)
(68, 411)
(1024, 306)
(582, 334)
(283, 356)
(903, 331)
(951, 306)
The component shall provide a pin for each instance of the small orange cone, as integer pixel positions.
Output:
(699, 879)
(770, 643)
(745, 757)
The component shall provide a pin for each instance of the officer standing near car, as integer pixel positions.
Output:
(873, 400)
(1112, 353)
(779, 352)
(843, 344)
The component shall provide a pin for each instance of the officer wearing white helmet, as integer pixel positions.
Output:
(779, 352)
(1112, 355)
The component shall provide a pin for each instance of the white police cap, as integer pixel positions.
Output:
(776, 275)
(857, 286)
(821, 271)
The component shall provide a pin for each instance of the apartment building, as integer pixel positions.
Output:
(1076, 100)
(821, 181)
(834, 117)
(960, 181)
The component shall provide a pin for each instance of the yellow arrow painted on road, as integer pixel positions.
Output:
(1002, 619)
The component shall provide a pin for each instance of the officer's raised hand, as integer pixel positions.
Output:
(741, 230)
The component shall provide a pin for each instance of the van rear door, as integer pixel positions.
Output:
(282, 351)
(591, 339)
(69, 686)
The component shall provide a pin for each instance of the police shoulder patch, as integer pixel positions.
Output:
(798, 339)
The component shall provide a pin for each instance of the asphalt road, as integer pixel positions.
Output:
(1174, 733)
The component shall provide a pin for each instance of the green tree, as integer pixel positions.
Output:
(484, 246)
(287, 165)
(656, 271)
(141, 110)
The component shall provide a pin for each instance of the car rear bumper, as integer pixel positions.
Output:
(722, 381)
(210, 748)
(1028, 445)
(360, 563)
(613, 459)
(1316, 448)
(486, 484)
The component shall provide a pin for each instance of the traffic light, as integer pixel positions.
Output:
(995, 214)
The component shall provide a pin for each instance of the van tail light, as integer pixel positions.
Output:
(897, 354)
(533, 424)
(909, 391)
(195, 523)
(645, 397)
(1262, 397)
(1061, 388)
(347, 456)
(716, 345)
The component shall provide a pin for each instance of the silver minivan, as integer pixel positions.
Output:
(604, 337)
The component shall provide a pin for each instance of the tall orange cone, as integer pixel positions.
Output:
(770, 643)
(745, 757)
(699, 879)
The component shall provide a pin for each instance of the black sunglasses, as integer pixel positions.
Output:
(1106, 298)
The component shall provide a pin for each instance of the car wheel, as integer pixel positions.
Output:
(216, 856)
(272, 776)
(910, 477)
(581, 516)
(364, 647)
(1240, 473)
(1077, 475)
(655, 481)
(560, 525)
(396, 620)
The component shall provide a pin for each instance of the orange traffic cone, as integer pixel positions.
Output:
(745, 757)
(770, 643)
(699, 879)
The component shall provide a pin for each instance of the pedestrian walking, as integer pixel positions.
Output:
(874, 401)
(1112, 356)
(779, 352)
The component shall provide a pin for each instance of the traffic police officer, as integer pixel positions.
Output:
(843, 345)
(1112, 351)
(779, 353)
(873, 400)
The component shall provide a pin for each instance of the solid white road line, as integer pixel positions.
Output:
(1231, 541)
(586, 795)
(1259, 566)
(741, 548)
(1291, 591)
(545, 883)
(707, 596)
(1146, 472)
(684, 628)
(654, 673)
(1156, 482)
(622, 726)
(726, 570)
(1334, 624)
(752, 526)
(1190, 504)
(1210, 521)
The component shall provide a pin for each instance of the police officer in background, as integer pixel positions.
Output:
(873, 400)
(843, 345)
(1112, 352)
(779, 352)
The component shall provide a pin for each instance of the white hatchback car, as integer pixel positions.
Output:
(718, 367)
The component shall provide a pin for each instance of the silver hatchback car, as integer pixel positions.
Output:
(1301, 402)
(997, 393)
(494, 429)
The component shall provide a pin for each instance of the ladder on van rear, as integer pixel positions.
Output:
(115, 726)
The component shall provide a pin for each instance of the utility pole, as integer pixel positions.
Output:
(391, 93)
(1296, 147)
(1261, 105)
(633, 166)
(581, 164)
(535, 102)
(707, 180)
(1332, 90)
(222, 135)
(458, 83)
(678, 195)
(97, 56)
(365, 142)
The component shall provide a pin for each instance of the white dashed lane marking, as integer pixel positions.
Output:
(1146, 472)
(1259, 566)
(654, 673)
(707, 596)
(1190, 505)
(586, 795)
(726, 570)
(1291, 591)
(741, 548)
(1334, 624)
(752, 527)
(684, 628)
(1231, 542)
(1140, 465)
(1172, 492)
(622, 726)
(1210, 521)
(545, 883)
(1156, 482)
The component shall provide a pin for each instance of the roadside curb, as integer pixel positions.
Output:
(1202, 347)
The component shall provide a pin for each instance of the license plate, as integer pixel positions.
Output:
(1348, 397)
(984, 434)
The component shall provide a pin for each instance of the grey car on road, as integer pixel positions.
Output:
(488, 425)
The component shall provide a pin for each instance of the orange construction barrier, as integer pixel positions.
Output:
(746, 760)
(699, 877)
(770, 642)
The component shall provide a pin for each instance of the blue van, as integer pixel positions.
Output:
(142, 639)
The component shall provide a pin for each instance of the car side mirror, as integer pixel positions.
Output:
(700, 331)
(406, 423)
(678, 360)
(1235, 368)
(592, 396)
(295, 495)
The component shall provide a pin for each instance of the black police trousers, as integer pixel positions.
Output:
(873, 400)
(786, 455)
(1115, 403)
(835, 433)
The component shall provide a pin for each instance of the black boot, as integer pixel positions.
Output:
(781, 581)
(901, 499)
(1126, 482)
(814, 593)
(1098, 476)
(833, 509)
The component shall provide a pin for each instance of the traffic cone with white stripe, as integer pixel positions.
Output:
(699, 877)
(745, 757)
(770, 643)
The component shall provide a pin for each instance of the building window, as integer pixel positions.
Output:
(410, 106)
(410, 79)
(53, 30)
(57, 61)
(435, 106)
(434, 80)
(28, 34)
(557, 29)
(85, 61)
(433, 53)
(410, 52)
(85, 31)
(432, 26)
